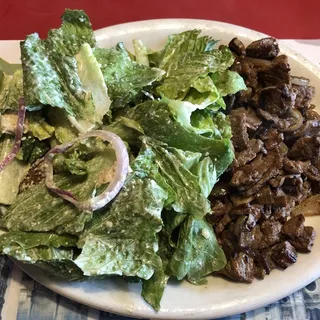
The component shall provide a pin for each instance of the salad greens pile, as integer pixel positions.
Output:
(168, 108)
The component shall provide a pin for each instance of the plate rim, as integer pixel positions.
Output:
(134, 27)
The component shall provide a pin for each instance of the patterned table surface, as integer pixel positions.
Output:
(22, 298)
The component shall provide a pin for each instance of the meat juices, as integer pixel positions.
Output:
(276, 136)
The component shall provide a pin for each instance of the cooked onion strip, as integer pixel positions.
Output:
(18, 136)
(116, 182)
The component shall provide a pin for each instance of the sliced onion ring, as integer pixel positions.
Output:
(18, 137)
(116, 182)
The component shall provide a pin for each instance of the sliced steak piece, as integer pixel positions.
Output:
(283, 254)
(312, 115)
(277, 100)
(236, 46)
(304, 95)
(306, 148)
(252, 177)
(240, 137)
(250, 173)
(240, 268)
(245, 156)
(271, 230)
(301, 237)
(272, 138)
(266, 48)
(252, 120)
(294, 227)
(309, 128)
(302, 167)
(275, 74)
(247, 71)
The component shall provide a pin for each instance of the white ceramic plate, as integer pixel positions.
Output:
(182, 300)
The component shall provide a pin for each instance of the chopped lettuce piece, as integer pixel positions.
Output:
(170, 173)
(153, 288)
(198, 252)
(187, 57)
(228, 82)
(65, 270)
(154, 116)
(12, 175)
(38, 210)
(32, 149)
(207, 175)
(127, 129)
(39, 128)
(124, 78)
(122, 240)
(52, 75)
(92, 82)
(11, 89)
(204, 92)
(33, 247)
(64, 132)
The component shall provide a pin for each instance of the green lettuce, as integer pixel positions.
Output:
(122, 240)
(61, 71)
(34, 247)
(32, 149)
(198, 252)
(169, 172)
(38, 210)
(154, 116)
(11, 89)
(12, 175)
(124, 78)
(228, 82)
(185, 58)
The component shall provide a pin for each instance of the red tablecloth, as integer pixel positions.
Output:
(296, 19)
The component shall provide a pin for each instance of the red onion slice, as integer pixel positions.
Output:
(116, 182)
(19, 133)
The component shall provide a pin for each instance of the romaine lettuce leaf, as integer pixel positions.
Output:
(122, 240)
(158, 122)
(198, 252)
(124, 78)
(38, 210)
(153, 288)
(33, 247)
(13, 173)
(204, 92)
(228, 82)
(206, 173)
(187, 57)
(127, 129)
(39, 128)
(169, 172)
(59, 72)
(11, 89)
(32, 149)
